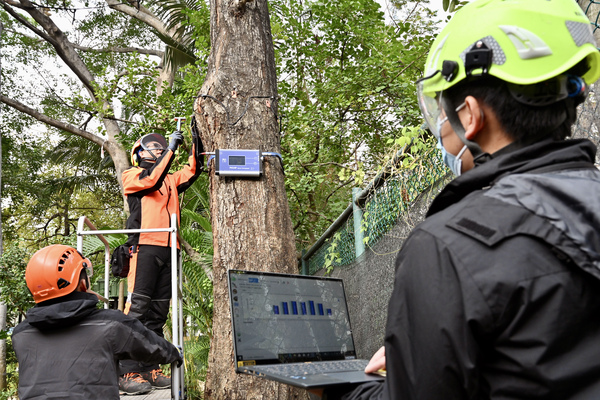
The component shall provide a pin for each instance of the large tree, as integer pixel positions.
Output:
(88, 78)
(237, 108)
(344, 91)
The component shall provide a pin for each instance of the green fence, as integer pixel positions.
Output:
(592, 10)
(375, 210)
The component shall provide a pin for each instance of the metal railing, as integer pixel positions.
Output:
(373, 211)
(177, 373)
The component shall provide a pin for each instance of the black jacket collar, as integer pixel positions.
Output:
(540, 157)
(63, 311)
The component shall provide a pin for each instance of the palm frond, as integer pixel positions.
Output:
(180, 46)
(192, 217)
(76, 151)
(80, 182)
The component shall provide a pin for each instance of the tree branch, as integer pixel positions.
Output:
(57, 38)
(142, 14)
(318, 214)
(145, 103)
(338, 188)
(67, 53)
(329, 163)
(151, 52)
(169, 36)
(51, 121)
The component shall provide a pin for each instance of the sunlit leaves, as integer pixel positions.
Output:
(346, 82)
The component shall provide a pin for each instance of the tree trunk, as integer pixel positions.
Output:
(3, 312)
(3, 307)
(251, 224)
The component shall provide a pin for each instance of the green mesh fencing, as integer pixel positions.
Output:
(591, 8)
(389, 199)
(381, 210)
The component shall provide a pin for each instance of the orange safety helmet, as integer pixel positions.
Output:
(54, 272)
(143, 142)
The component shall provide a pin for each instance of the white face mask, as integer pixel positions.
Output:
(452, 161)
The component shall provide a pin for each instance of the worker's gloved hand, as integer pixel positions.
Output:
(180, 360)
(194, 127)
(198, 146)
(176, 140)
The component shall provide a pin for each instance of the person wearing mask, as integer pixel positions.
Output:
(153, 196)
(497, 293)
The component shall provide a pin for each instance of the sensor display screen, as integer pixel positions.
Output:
(237, 160)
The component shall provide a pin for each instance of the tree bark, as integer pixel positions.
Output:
(3, 312)
(251, 224)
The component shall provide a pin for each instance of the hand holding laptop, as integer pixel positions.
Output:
(377, 363)
(295, 329)
(376, 366)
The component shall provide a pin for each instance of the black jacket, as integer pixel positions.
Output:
(68, 349)
(497, 292)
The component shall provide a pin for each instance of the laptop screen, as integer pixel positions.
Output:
(280, 318)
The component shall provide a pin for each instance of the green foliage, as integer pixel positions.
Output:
(12, 374)
(196, 364)
(196, 230)
(346, 87)
(197, 287)
(411, 167)
(332, 258)
(453, 5)
(51, 177)
(13, 289)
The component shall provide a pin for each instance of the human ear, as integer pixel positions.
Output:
(474, 120)
(83, 285)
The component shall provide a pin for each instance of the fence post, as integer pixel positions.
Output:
(359, 244)
(304, 263)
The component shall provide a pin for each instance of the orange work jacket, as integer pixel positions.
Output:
(153, 196)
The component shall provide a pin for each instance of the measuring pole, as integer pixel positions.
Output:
(179, 119)
(176, 372)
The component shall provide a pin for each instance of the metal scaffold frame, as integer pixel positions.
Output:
(177, 373)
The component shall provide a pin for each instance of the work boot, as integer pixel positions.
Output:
(157, 379)
(133, 383)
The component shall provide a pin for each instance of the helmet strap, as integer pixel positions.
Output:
(152, 154)
(550, 91)
(151, 158)
(479, 156)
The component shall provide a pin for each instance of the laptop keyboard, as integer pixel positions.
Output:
(311, 368)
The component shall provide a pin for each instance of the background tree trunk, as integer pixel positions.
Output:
(3, 307)
(251, 224)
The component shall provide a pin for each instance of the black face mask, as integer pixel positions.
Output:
(146, 164)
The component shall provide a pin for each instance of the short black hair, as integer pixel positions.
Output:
(524, 123)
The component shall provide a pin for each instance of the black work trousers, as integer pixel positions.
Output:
(149, 295)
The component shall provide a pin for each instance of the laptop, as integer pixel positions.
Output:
(293, 329)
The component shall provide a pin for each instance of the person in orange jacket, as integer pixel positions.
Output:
(153, 196)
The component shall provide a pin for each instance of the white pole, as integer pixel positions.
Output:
(177, 379)
(174, 304)
(182, 370)
(106, 274)
(80, 232)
